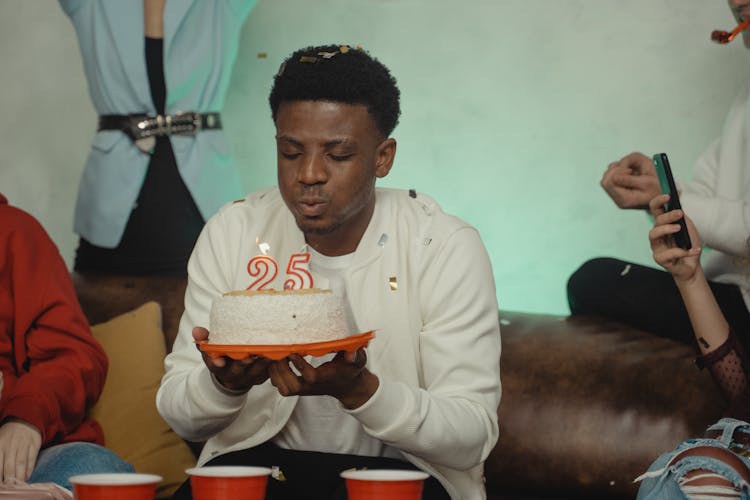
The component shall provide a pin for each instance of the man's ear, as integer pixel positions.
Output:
(385, 154)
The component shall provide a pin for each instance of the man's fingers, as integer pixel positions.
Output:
(306, 370)
(611, 170)
(637, 162)
(279, 373)
(630, 181)
(216, 363)
(357, 357)
(200, 333)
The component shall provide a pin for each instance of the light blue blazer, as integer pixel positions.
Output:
(201, 40)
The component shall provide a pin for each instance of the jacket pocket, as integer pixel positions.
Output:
(105, 140)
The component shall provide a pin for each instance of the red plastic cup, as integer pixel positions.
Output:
(115, 486)
(372, 484)
(228, 482)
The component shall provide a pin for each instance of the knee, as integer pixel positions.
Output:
(58, 463)
(710, 471)
(699, 483)
(586, 284)
(90, 457)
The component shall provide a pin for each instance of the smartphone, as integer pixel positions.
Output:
(666, 181)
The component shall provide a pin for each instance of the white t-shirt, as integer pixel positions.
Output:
(318, 423)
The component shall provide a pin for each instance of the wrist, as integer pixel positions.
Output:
(226, 390)
(362, 391)
(692, 281)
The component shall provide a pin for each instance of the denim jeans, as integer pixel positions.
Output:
(58, 463)
(663, 480)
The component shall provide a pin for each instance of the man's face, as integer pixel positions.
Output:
(329, 155)
(741, 11)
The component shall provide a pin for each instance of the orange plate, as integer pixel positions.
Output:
(281, 351)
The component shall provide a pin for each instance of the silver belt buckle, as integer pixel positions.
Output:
(145, 129)
(185, 123)
(143, 133)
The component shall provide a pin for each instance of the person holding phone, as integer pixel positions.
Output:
(718, 199)
(718, 463)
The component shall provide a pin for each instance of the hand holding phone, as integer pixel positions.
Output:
(668, 186)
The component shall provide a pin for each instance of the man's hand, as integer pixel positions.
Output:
(632, 181)
(235, 375)
(19, 446)
(345, 378)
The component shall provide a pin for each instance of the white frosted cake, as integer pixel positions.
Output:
(270, 317)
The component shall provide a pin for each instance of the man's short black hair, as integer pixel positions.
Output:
(338, 73)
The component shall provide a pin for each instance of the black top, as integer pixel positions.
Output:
(155, 68)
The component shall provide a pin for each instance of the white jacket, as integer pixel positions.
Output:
(718, 199)
(436, 349)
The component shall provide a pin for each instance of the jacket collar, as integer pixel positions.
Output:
(376, 235)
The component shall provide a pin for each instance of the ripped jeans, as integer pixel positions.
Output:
(666, 478)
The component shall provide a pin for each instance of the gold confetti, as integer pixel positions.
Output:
(393, 282)
(308, 59)
(277, 473)
(262, 55)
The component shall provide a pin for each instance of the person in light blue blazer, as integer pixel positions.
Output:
(159, 164)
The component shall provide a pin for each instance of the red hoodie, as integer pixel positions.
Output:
(53, 369)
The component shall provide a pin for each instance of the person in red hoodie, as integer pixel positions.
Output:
(52, 367)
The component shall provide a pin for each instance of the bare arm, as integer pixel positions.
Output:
(708, 322)
(720, 351)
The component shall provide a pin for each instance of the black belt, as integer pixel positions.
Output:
(143, 129)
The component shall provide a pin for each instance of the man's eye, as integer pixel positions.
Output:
(340, 157)
(290, 156)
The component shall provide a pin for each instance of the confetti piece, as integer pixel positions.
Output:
(393, 282)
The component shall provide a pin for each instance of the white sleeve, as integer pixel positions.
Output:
(452, 421)
(723, 223)
(188, 398)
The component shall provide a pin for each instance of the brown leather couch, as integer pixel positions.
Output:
(587, 404)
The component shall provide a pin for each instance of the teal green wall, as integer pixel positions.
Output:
(511, 111)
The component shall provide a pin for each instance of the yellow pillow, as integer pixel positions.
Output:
(126, 410)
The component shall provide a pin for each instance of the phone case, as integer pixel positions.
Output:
(668, 186)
